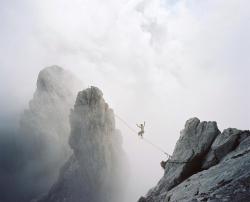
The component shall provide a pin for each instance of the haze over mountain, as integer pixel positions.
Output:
(158, 61)
(68, 148)
(97, 170)
(32, 154)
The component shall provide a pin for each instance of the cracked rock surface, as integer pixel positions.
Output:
(216, 166)
(95, 171)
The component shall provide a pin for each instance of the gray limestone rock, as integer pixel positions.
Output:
(225, 157)
(96, 170)
(223, 144)
(45, 125)
(229, 180)
(48, 112)
(193, 144)
(41, 144)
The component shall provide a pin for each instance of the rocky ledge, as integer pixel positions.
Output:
(206, 165)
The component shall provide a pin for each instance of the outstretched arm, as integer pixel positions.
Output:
(138, 126)
(144, 123)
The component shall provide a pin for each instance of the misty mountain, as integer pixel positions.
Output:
(96, 171)
(32, 154)
(67, 148)
(206, 165)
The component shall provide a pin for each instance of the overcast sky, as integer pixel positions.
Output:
(162, 61)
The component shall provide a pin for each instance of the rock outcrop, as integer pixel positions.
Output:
(94, 172)
(42, 139)
(206, 165)
(45, 125)
(48, 113)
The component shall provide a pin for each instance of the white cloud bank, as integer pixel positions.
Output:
(158, 61)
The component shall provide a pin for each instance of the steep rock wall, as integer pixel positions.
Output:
(31, 159)
(96, 170)
(212, 166)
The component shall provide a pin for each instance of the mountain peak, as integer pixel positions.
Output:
(89, 96)
(95, 171)
(55, 79)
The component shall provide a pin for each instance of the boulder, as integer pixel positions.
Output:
(223, 144)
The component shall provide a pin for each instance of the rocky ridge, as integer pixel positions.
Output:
(206, 165)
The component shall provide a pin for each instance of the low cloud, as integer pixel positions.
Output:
(158, 61)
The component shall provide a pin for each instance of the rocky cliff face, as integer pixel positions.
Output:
(94, 172)
(45, 125)
(36, 153)
(48, 114)
(206, 165)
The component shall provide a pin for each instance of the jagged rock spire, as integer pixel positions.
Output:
(42, 139)
(95, 170)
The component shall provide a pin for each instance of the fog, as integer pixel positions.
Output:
(158, 61)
